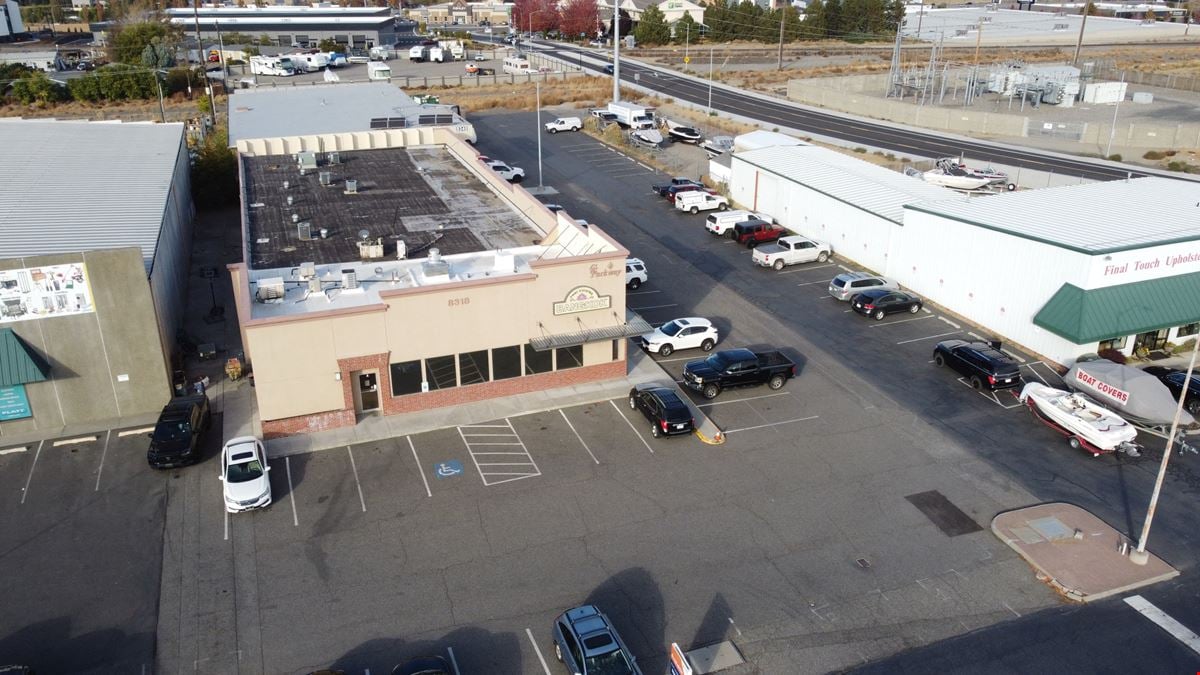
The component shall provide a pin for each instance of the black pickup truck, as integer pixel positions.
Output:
(737, 368)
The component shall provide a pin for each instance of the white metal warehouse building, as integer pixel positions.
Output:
(1063, 271)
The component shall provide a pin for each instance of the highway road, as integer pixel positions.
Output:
(777, 113)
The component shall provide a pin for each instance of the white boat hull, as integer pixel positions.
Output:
(936, 177)
(1088, 425)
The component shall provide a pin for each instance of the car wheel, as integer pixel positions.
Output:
(1193, 407)
(879, 314)
(750, 243)
(554, 131)
(778, 264)
(707, 345)
(655, 431)
(976, 383)
(722, 207)
(666, 350)
(939, 360)
(916, 307)
(694, 210)
(632, 404)
(776, 382)
(711, 391)
(822, 257)
(634, 283)
(558, 652)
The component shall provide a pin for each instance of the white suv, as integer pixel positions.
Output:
(511, 174)
(635, 273)
(564, 124)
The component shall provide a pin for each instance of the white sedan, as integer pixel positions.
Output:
(687, 333)
(244, 472)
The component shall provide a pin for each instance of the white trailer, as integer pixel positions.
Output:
(437, 55)
(632, 115)
(455, 47)
(377, 70)
(310, 62)
(272, 65)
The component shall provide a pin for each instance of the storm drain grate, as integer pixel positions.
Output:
(949, 518)
(864, 563)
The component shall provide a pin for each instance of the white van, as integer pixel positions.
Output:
(720, 223)
(700, 200)
(378, 71)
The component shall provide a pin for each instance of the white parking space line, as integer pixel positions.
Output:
(945, 320)
(226, 522)
(1165, 621)
(419, 469)
(538, 650)
(103, 452)
(893, 323)
(581, 442)
(804, 269)
(354, 468)
(631, 427)
(845, 268)
(641, 292)
(495, 472)
(678, 358)
(287, 467)
(25, 490)
(929, 337)
(976, 336)
(72, 441)
(641, 309)
(743, 400)
(134, 432)
(1013, 355)
(772, 424)
(19, 448)
(926, 310)
(810, 283)
(453, 661)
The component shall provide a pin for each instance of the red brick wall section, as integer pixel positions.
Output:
(377, 361)
(306, 424)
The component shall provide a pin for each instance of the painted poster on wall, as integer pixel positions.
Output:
(14, 404)
(40, 292)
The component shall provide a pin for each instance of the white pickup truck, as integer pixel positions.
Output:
(791, 250)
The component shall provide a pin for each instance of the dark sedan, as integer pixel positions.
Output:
(879, 302)
(1174, 379)
(668, 414)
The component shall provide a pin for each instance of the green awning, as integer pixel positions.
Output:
(1115, 311)
(19, 364)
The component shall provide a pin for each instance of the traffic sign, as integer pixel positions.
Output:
(687, 59)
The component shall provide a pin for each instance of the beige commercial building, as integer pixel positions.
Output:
(389, 271)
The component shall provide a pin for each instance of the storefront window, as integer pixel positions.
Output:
(441, 373)
(1190, 329)
(473, 367)
(616, 346)
(506, 362)
(1115, 343)
(569, 357)
(406, 378)
(537, 362)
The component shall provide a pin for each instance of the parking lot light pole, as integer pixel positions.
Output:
(616, 50)
(1139, 556)
(539, 132)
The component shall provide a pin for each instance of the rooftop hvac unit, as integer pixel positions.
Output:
(314, 284)
(349, 279)
(308, 270)
(370, 250)
(306, 160)
(325, 177)
(505, 262)
(351, 186)
(304, 231)
(270, 289)
(434, 266)
(335, 158)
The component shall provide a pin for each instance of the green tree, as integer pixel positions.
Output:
(131, 41)
(653, 28)
(813, 26)
(833, 19)
(37, 87)
(328, 45)
(158, 54)
(893, 14)
(687, 30)
(214, 172)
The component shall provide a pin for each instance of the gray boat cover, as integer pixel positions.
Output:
(1131, 392)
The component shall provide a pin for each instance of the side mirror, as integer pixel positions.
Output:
(268, 467)
(220, 477)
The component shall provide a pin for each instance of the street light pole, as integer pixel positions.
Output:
(710, 78)
(616, 50)
(1113, 129)
(539, 132)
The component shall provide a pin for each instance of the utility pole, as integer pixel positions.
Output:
(616, 51)
(920, 18)
(710, 79)
(1079, 42)
(687, 37)
(1112, 132)
(782, 16)
(207, 82)
(539, 133)
(978, 39)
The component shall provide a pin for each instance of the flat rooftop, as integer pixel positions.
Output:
(422, 196)
(1091, 218)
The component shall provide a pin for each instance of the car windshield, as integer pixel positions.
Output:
(612, 663)
(246, 471)
(671, 328)
(171, 431)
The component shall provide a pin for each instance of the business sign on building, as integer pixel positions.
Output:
(14, 404)
(40, 292)
(582, 299)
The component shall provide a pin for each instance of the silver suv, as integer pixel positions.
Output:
(845, 286)
(585, 640)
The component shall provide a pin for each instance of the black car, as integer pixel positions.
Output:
(879, 302)
(981, 363)
(668, 414)
(662, 189)
(176, 437)
(1174, 379)
(608, 69)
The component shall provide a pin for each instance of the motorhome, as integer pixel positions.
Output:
(310, 62)
(380, 53)
(454, 47)
(272, 65)
(418, 53)
(378, 71)
(438, 55)
(517, 65)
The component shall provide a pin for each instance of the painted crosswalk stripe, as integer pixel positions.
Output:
(1164, 621)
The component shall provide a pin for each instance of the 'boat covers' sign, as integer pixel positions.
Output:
(1135, 394)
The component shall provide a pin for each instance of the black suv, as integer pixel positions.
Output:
(176, 437)
(879, 302)
(1174, 379)
(983, 364)
(668, 414)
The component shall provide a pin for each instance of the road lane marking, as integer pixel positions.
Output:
(772, 424)
(419, 469)
(103, 452)
(287, 467)
(25, 490)
(893, 323)
(633, 428)
(743, 400)
(539, 651)
(1164, 621)
(572, 426)
(928, 337)
(354, 468)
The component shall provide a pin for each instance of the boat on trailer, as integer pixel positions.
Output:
(1087, 425)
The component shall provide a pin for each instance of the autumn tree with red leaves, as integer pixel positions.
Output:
(579, 17)
(544, 15)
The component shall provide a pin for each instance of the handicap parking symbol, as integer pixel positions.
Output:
(447, 469)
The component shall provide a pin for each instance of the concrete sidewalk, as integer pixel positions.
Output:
(642, 370)
(1075, 552)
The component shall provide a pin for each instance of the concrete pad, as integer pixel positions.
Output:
(715, 657)
(1076, 552)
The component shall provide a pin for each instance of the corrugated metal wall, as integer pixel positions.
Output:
(172, 256)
